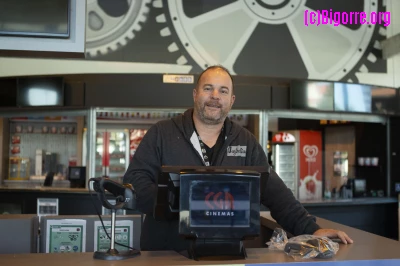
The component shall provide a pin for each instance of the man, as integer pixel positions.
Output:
(201, 136)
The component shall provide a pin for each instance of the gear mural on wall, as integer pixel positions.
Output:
(269, 38)
(111, 24)
(249, 37)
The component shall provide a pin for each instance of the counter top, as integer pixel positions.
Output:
(367, 249)
(258, 256)
(353, 201)
(45, 189)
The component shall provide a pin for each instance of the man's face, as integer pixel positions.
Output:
(213, 97)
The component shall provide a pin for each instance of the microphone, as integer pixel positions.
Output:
(125, 196)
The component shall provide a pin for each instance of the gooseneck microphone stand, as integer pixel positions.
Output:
(125, 199)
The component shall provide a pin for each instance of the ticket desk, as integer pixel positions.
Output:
(367, 250)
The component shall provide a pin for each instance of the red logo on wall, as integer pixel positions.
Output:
(310, 165)
(219, 201)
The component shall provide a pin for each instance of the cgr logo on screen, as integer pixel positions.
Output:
(220, 204)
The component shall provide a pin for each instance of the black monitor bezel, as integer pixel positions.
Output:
(162, 210)
(252, 230)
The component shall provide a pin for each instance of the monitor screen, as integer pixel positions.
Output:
(219, 204)
(47, 91)
(312, 95)
(385, 100)
(76, 173)
(360, 185)
(397, 187)
(45, 18)
(346, 93)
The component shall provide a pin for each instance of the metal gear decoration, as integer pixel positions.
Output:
(112, 23)
(251, 36)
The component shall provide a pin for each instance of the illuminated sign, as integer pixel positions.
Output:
(188, 79)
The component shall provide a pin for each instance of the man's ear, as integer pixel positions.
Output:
(194, 93)
(233, 100)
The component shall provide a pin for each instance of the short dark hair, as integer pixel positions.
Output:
(215, 67)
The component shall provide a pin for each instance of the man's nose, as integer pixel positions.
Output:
(215, 94)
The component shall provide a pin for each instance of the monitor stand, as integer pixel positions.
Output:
(112, 253)
(216, 249)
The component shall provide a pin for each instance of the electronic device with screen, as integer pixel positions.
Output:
(359, 187)
(385, 100)
(39, 18)
(217, 207)
(346, 92)
(77, 176)
(40, 91)
(311, 95)
(397, 187)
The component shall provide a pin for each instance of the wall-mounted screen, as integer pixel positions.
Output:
(43, 18)
(385, 100)
(313, 95)
(47, 91)
(351, 97)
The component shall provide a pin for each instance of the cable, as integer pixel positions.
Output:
(101, 220)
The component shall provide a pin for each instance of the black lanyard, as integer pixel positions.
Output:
(203, 146)
(203, 151)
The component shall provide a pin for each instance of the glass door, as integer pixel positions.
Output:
(112, 153)
(118, 154)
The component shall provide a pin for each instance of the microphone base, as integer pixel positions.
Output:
(113, 254)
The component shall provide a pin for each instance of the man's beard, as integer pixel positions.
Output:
(210, 120)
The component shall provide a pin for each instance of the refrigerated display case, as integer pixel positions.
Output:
(297, 159)
(284, 160)
(112, 153)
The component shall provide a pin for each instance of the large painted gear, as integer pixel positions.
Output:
(371, 61)
(111, 24)
(228, 32)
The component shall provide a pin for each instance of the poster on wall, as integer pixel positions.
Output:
(310, 187)
(123, 235)
(340, 163)
(66, 236)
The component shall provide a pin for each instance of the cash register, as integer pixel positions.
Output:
(217, 207)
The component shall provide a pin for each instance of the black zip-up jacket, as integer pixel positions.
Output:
(174, 142)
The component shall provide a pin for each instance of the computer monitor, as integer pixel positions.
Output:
(77, 176)
(359, 187)
(217, 207)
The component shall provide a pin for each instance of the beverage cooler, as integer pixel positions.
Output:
(112, 153)
(297, 159)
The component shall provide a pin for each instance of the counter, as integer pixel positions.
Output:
(42, 189)
(374, 215)
(367, 250)
(353, 201)
(306, 203)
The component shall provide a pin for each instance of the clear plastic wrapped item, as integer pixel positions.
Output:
(303, 246)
